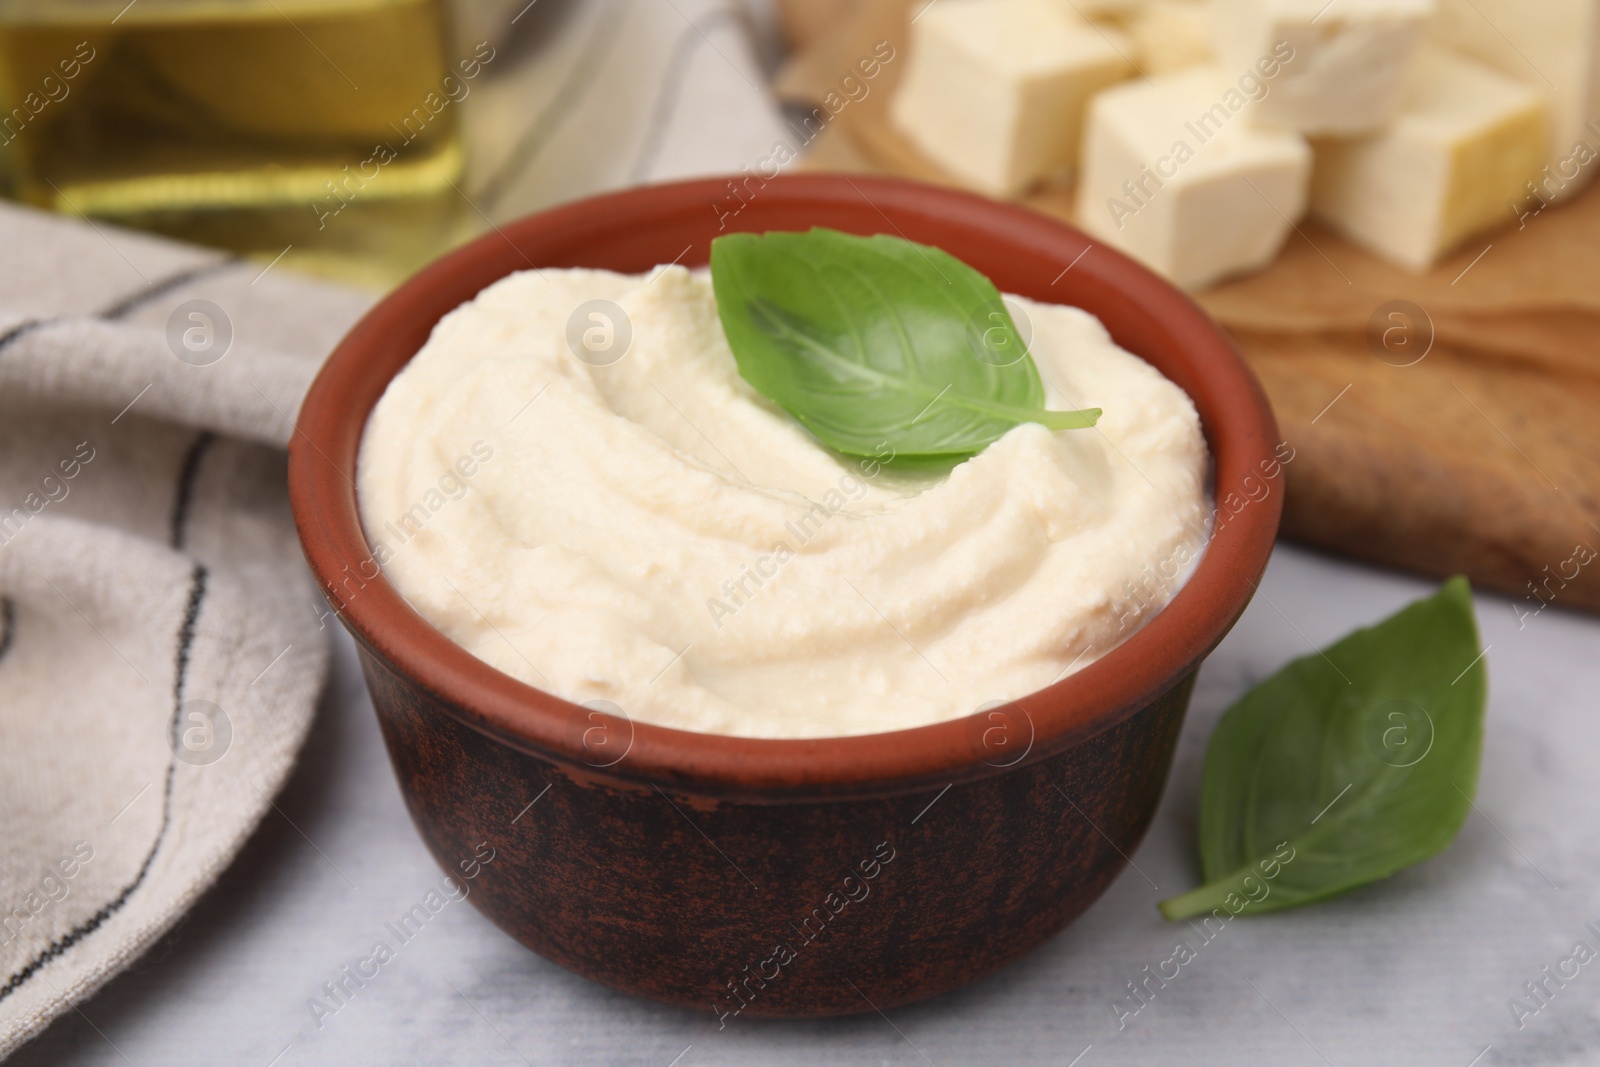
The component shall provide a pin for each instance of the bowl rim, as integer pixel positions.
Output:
(1236, 418)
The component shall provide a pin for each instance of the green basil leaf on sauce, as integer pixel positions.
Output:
(1354, 762)
(870, 341)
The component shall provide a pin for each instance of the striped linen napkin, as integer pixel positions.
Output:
(161, 650)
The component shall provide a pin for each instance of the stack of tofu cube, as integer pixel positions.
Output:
(1200, 132)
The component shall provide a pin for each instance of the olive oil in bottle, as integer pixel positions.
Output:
(325, 130)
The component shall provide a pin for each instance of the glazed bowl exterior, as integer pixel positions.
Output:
(751, 877)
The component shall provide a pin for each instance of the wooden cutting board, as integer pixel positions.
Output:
(1446, 422)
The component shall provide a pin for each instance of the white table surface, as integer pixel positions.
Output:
(1416, 970)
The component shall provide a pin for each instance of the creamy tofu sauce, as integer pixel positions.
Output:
(654, 533)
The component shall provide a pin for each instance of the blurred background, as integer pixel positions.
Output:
(360, 138)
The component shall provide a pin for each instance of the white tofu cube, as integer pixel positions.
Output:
(994, 90)
(1553, 46)
(1176, 175)
(1171, 35)
(1449, 166)
(1344, 61)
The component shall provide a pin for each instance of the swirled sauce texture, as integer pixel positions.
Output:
(656, 534)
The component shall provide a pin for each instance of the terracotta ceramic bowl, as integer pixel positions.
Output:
(785, 878)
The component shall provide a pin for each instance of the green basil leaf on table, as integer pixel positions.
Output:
(874, 340)
(1361, 760)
